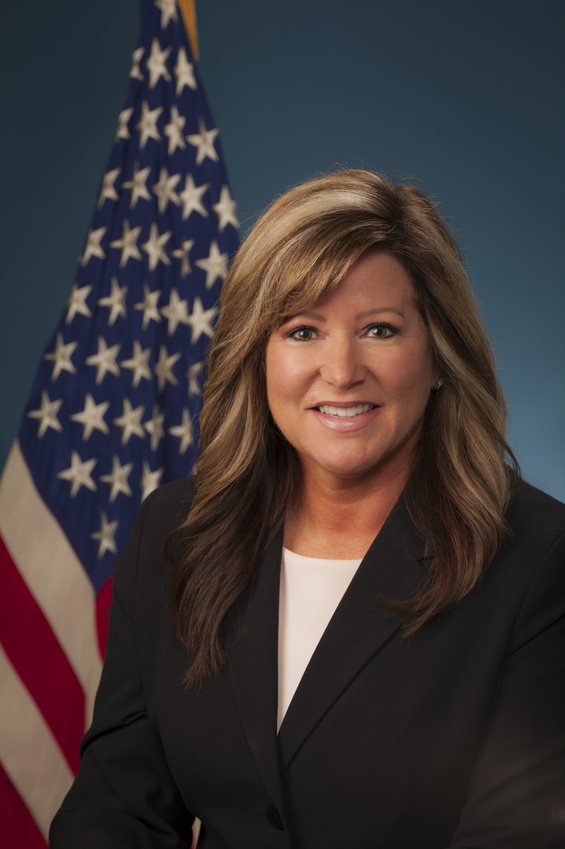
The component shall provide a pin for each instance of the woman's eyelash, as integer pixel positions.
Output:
(294, 333)
(389, 329)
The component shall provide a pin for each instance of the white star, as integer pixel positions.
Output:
(154, 427)
(149, 480)
(108, 191)
(104, 360)
(204, 141)
(175, 312)
(116, 301)
(193, 375)
(106, 536)
(118, 479)
(173, 131)
(77, 302)
(136, 59)
(93, 246)
(164, 368)
(47, 414)
(138, 186)
(61, 357)
(184, 72)
(156, 64)
(165, 189)
(191, 198)
(139, 363)
(200, 320)
(149, 305)
(155, 247)
(148, 124)
(128, 243)
(182, 253)
(168, 11)
(92, 417)
(183, 432)
(130, 421)
(225, 209)
(78, 474)
(123, 120)
(215, 265)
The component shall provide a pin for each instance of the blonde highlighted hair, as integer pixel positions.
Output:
(298, 252)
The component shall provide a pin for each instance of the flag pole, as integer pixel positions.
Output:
(188, 9)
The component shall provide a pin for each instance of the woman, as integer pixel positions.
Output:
(360, 644)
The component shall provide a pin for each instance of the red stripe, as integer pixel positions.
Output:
(39, 660)
(103, 604)
(19, 830)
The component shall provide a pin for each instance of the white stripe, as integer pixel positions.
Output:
(30, 754)
(52, 571)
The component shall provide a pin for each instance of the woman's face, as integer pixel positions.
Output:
(349, 379)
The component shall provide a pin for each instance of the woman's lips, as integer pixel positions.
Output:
(346, 416)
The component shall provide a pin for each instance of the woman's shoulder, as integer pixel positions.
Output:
(534, 513)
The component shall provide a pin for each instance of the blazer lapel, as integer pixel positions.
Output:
(359, 627)
(252, 648)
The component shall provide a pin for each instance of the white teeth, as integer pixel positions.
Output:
(345, 412)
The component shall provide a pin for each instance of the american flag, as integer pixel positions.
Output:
(113, 413)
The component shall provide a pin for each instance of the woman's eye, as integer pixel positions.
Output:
(381, 331)
(302, 334)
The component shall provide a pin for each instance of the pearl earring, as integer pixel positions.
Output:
(437, 384)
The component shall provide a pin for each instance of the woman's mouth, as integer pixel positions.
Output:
(345, 412)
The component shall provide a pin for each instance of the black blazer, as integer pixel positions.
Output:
(455, 738)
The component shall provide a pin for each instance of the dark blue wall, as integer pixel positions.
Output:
(466, 98)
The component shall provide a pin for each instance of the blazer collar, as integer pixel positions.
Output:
(359, 628)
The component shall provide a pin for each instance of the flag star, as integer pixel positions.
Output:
(128, 243)
(138, 186)
(173, 131)
(108, 191)
(61, 357)
(78, 474)
(123, 120)
(204, 141)
(155, 247)
(149, 480)
(184, 72)
(148, 124)
(225, 209)
(175, 312)
(106, 536)
(77, 302)
(92, 417)
(168, 11)
(104, 360)
(182, 253)
(116, 301)
(183, 432)
(93, 246)
(47, 414)
(136, 59)
(200, 320)
(130, 421)
(164, 188)
(138, 363)
(164, 368)
(193, 375)
(154, 427)
(118, 479)
(149, 305)
(156, 64)
(215, 265)
(191, 198)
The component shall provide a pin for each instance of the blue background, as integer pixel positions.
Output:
(465, 98)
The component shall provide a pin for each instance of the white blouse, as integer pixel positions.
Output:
(310, 590)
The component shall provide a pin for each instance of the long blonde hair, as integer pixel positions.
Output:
(298, 252)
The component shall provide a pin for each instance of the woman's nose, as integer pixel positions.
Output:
(342, 364)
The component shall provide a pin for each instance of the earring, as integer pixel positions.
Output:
(437, 384)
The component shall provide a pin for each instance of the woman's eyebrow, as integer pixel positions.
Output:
(361, 315)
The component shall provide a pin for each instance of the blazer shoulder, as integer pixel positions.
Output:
(533, 514)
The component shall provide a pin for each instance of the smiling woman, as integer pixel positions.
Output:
(359, 640)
